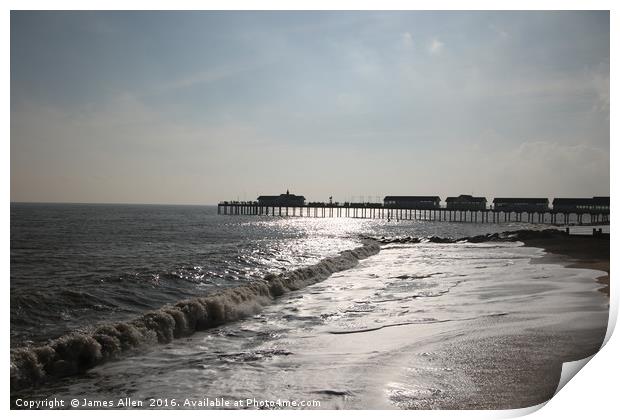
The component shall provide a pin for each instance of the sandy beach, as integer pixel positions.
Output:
(529, 368)
(576, 252)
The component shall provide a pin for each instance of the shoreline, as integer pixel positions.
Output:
(575, 251)
(510, 356)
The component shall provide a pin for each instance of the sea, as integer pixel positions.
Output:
(164, 306)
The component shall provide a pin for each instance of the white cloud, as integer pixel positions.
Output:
(407, 40)
(501, 33)
(599, 82)
(435, 46)
(215, 74)
(209, 76)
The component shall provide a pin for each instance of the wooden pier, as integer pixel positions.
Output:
(379, 211)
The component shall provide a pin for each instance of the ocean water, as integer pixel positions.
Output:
(353, 324)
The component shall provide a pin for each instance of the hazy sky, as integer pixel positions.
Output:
(198, 107)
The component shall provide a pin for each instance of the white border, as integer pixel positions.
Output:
(590, 395)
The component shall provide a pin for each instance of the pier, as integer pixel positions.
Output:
(473, 210)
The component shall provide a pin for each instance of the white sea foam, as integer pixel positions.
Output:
(75, 353)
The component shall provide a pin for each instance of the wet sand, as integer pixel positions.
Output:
(518, 370)
(577, 252)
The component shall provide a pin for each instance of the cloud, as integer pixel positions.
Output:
(556, 169)
(546, 168)
(599, 82)
(215, 74)
(323, 92)
(435, 46)
(500, 32)
(204, 77)
(407, 40)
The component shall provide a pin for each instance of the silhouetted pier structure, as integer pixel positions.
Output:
(427, 208)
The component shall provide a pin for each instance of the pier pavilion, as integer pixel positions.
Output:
(466, 202)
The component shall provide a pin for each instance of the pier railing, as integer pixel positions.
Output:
(380, 211)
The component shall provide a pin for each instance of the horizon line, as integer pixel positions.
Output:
(108, 203)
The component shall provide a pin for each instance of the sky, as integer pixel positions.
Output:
(200, 107)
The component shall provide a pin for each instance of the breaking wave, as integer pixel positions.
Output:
(77, 352)
(509, 236)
